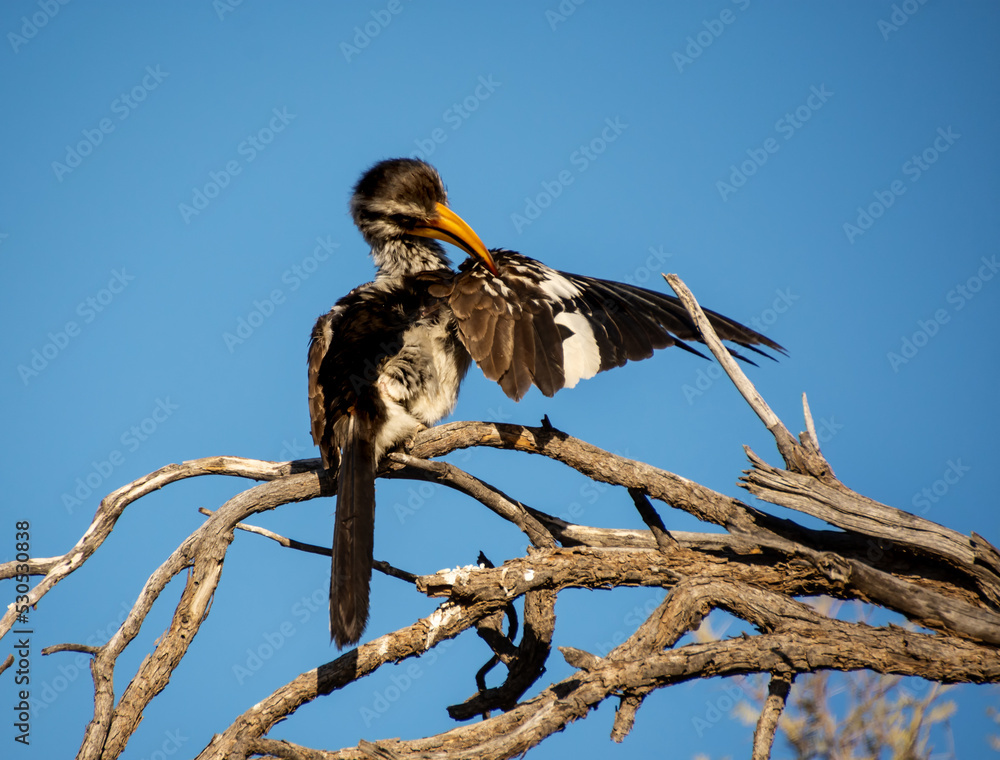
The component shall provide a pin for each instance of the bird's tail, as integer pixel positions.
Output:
(353, 535)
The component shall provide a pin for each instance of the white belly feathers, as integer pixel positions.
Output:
(437, 363)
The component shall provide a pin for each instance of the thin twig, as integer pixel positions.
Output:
(651, 517)
(767, 724)
(489, 496)
(721, 353)
(797, 458)
(70, 647)
(289, 543)
(325, 551)
(810, 425)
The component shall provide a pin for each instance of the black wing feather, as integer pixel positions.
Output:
(534, 314)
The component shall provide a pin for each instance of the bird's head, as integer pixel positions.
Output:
(397, 205)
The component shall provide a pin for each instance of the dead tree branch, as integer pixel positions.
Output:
(943, 582)
(777, 695)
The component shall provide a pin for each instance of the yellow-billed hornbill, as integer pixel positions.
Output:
(391, 354)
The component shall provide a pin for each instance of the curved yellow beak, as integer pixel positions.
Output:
(451, 228)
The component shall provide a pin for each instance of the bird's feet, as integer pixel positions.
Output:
(411, 439)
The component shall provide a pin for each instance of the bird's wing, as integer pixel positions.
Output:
(533, 325)
(319, 345)
(348, 346)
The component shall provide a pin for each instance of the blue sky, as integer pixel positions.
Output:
(173, 219)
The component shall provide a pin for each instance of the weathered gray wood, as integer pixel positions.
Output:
(938, 578)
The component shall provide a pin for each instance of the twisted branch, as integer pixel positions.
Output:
(936, 577)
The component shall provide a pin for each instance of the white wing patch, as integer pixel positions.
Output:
(557, 287)
(581, 354)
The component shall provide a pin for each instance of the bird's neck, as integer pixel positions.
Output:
(396, 258)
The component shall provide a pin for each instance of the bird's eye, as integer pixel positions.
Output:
(404, 221)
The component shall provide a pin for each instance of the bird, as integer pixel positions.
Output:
(388, 359)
